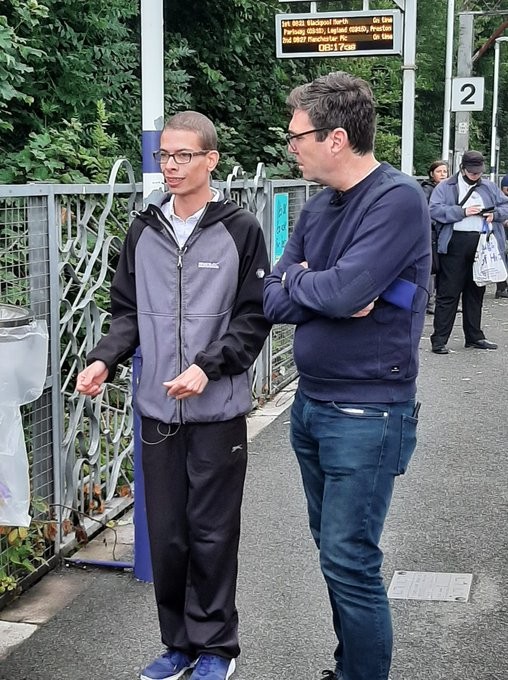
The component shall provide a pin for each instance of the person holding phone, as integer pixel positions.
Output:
(460, 205)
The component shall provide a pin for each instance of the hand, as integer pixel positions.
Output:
(365, 311)
(473, 210)
(488, 217)
(90, 379)
(190, 383)
(304, 264)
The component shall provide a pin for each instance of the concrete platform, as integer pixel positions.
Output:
(449, 514)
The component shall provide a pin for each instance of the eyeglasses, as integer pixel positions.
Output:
(291, 139)
(180, 157)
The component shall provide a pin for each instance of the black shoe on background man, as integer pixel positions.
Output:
(481, 344)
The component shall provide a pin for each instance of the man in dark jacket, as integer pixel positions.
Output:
(188, 290)
(353, 422)
(461, 205)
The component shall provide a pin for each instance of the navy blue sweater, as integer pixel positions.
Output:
(356, 244)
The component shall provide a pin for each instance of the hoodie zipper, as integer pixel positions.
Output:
(165, 223)
(167, 230)
(179, 267)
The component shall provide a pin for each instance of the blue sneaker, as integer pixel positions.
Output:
(212, 667)
(170, 666)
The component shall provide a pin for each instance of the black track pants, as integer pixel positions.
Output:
(194, 484)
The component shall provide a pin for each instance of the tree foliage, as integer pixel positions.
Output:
(63, 59)
(71, 152)
(431, 48)
(16, 57)
(70, 82)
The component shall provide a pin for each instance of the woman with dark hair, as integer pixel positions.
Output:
(437, 172)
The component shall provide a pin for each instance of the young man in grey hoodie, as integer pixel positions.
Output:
(188, 290)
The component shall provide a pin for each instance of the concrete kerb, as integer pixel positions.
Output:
(262, 417)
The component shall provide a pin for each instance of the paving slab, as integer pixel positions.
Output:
(42, 601)
(13, 634)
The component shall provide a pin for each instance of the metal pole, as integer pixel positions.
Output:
(495, 96)
(152, 102)
(494, 114)
(57, 410)
(464, 68)
(142, 559)
(408, 95)
(448, 80)
(152, 90)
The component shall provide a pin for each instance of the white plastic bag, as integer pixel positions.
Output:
(488, 265)
(14, 474)
(23, 361)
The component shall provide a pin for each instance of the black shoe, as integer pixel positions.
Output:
(482, 344)
(440, 349)
(501, 294)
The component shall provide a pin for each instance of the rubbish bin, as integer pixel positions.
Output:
(23, 365)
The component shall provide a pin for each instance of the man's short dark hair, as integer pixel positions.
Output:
(339, 99)
(195, 122)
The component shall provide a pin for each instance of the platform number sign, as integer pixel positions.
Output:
(467, 94)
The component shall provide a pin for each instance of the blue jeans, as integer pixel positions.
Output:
(349, 455)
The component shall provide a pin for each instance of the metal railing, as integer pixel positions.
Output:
(58, 250)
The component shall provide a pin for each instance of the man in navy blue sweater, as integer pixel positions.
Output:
(353, 422)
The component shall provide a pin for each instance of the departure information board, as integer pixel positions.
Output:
(339, 34)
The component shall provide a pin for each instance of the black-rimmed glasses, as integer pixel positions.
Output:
(180, 157)
(292, 138)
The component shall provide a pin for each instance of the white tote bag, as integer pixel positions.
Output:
(488, 265)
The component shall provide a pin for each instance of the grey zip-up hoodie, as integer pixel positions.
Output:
(198, 304)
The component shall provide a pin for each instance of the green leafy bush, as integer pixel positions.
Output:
(71, 153)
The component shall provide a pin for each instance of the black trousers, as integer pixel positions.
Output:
(455, 278)
(194, 485)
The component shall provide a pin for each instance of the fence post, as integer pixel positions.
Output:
(42, 414)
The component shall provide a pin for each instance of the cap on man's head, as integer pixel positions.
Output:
(504, 181)
(473, 161)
